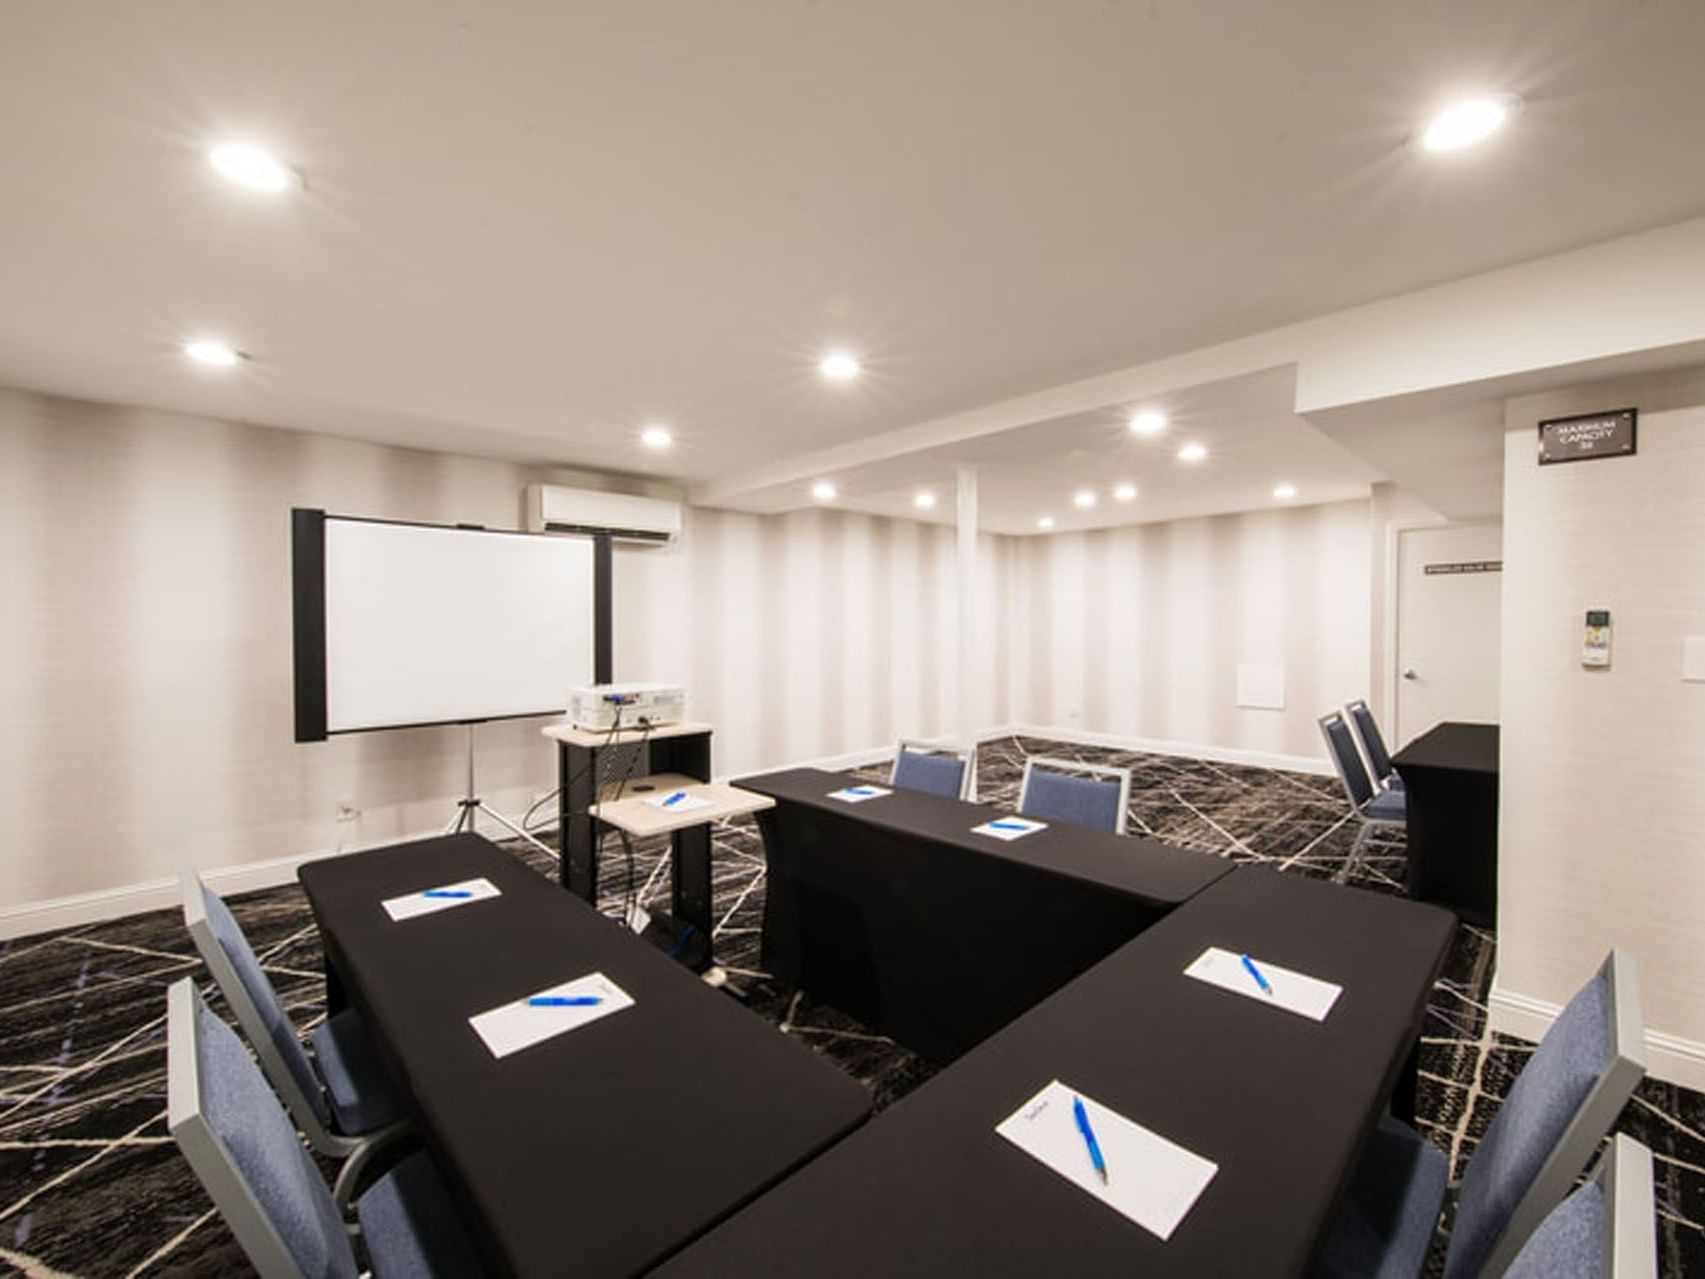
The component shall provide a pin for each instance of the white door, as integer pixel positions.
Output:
(1448, 585)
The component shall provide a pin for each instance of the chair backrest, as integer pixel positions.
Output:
(243, 1148)
(937, 770)
(1053, 790)
(1346, 759)
(1379, 760)
(1562, 1105)
(1605, 1230)
(249, 991)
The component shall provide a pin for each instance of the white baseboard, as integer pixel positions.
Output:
(107, 904)
(1668, 1057)
(1160, 746)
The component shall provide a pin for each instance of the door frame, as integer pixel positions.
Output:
(1393, 573)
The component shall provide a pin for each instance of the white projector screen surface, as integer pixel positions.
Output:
(439, 625)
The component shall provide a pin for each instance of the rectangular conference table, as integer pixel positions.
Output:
(597, 1152)
(1450, 776)
(893, 911)
(1282, 1104)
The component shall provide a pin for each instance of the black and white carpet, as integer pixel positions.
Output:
(91, 1184)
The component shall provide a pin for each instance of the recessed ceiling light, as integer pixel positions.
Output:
(252, 167)
(212, 352)
(1046, 522)
(924, 501)
(839, 366)
(1471, 120)
(1192, 452)
(1284, 492)
(823, 491)
(1124, 492)
(656, 437)
(1083, 499)
(1148, 422)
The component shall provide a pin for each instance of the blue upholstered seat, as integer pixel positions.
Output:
(1559, 1109)
(1083, 801)
(410, 1225)
(1388, 806)
(360, 1092)
(934, 774)
(241, 1144)
(1373, 742)
(1386, 1225)
(1571, 1242)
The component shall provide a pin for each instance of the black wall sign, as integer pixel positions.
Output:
(1590, 435)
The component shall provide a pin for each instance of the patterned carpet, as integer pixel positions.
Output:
(91, 1184)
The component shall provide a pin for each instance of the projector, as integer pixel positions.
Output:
(597, 706)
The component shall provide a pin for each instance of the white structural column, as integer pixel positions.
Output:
(969, 705)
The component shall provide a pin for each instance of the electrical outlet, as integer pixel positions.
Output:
(347, 809)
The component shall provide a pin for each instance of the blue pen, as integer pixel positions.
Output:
(1004, 825)
(446, 892)
(564, 1001)
(676, 798)
(1082, 1117)
(1256, 974)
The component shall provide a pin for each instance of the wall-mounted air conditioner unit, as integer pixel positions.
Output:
(554, 509)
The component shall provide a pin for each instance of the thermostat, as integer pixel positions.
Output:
(1595, 649)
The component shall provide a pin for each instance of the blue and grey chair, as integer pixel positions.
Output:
(242, 1147)
(936, 770)
(1375, 808)
(347, 1106)
(1373, 746)
(1062, 790)
(1605, 1230)
(1562, 1105)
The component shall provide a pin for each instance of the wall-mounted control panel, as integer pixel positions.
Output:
(1595, 647)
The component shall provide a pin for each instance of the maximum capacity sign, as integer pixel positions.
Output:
(1588, 436)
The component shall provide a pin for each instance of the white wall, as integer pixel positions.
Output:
(1602, 822)
(1137, 632)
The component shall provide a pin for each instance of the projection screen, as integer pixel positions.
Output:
(423, 624)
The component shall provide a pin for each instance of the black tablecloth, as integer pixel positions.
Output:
(893, 911)
(1450, 777)
(602, 1150)
(1281, 1103)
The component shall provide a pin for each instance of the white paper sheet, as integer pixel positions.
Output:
(411, 905)
(858, 794)
(1294, 992)
(519, 1025)
(1150, 1180)
(1009, 828)
(686, 804)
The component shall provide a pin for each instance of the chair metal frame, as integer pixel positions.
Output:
(1574, 1149)
(1052, 764)
(356, 1152)
(1625, 1172)
(1369, 823)
(967, 784)
(206, 1151)
(1350, 709)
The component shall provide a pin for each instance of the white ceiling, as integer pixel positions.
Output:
(532, 227)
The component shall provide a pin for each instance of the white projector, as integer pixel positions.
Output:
(598, 706)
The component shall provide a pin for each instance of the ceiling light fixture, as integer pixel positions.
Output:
(839, 366)
(1125, 492)
(1192, 452)
(1468, 121)
(252, 167)
(1148, 422)
(1045, 523)
(924, 501)
(1285, 492)
(212, 352)
(1083, 499)
(823, 491)
(656, 437)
